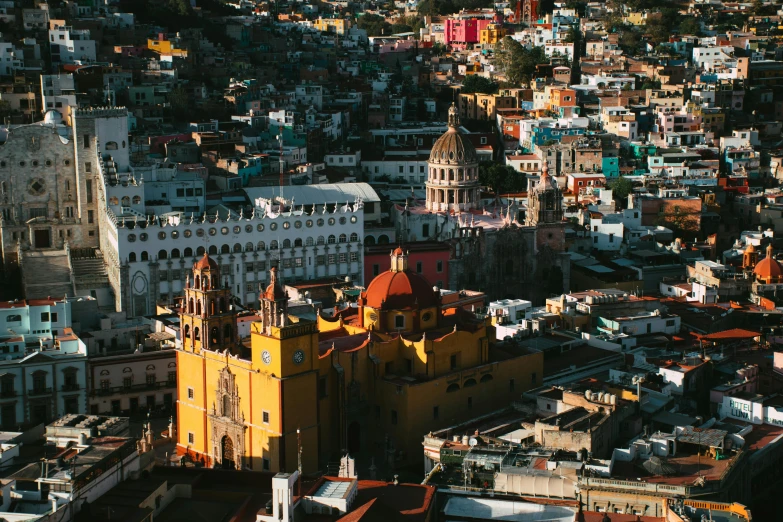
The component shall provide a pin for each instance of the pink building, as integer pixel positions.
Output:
(464, 31)
(427, 258)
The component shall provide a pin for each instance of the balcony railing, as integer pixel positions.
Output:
(7, 394)
(39, 391)
(71, 387)
(111, 390)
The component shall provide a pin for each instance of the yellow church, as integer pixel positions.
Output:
(372, 380)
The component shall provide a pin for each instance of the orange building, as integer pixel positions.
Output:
(372, 379)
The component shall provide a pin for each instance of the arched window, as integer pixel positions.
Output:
(190, 306)
(187, 331)
(383, 239)
(248, 247)
(136, 200)
(197, 282)
(212, 250)
(111, 145)
(222, 306)
(175, 253)
(212, 307)
(227, 331)
(225, 249)
(298, 242)
(452, 387)
(163, 254)
(145, 256)
(200, 251)
(369, 240)
(343, 238)
(354, 237)
(261, 246)
(286, 243)
(214, 336)
(309, 241)
(486, 378)
(132, 257)
(198, 307)
(332, 240)
(469, 383)
(237, 247)
(114, 201)
(273, 245)
(196, 334)
(125, 201)
(320, 240)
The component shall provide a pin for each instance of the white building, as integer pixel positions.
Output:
(310, 95)
(558, 48)
(44, 371)
(607, 232)
(412, 168)
(58, 93)
(397, 108)
(511, 310)
(11, 59)
(69, 45)
(315, 231)
(343, 159)
(708, 58)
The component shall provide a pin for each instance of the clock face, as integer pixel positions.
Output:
(299, 356)
(266, 357)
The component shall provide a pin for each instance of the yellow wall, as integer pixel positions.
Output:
(407, 373)
(328, 24)
(165, 47)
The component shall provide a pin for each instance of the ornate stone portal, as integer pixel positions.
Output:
(228, 423)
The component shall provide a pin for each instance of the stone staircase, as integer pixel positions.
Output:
(46, 273)
(89, 270)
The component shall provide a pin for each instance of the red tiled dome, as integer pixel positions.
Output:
(274, 291)
(205, 262)
(768, 268)
(399, 290)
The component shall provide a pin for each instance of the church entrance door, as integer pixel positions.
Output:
(227, 451)
(43, 238)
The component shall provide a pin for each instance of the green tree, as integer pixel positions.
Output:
(621, 188)
(573, 35)
(179, 101)
(501, 179)
(516, 61)
(480, 84)
(375, 25)
(690, 25)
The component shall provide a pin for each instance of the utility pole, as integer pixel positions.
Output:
(299, 460)
(280, 138)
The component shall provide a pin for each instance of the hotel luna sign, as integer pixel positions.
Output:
(740, 409)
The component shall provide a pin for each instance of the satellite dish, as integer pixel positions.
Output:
(472, 442)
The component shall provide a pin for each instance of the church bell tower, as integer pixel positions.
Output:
(208, 320)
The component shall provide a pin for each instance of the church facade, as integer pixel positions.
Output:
(492, 249)
(371, 380)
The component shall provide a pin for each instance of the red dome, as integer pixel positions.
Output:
(399, 290)
(768, 268)
(274, 291)
(205, 262)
